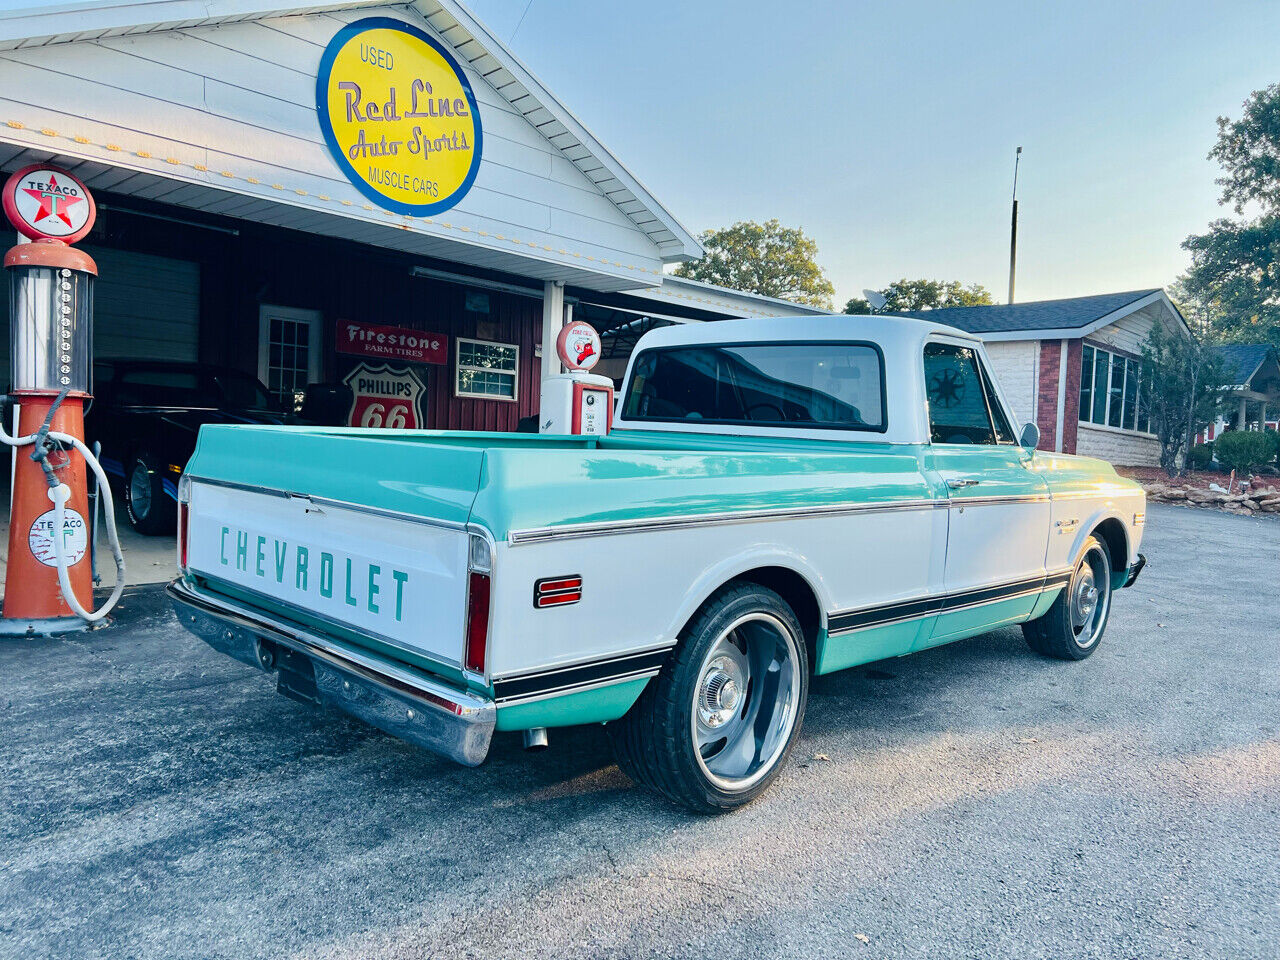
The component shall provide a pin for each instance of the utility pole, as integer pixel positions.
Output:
(1013, 225)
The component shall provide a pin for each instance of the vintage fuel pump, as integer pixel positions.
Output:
(48, 584)
(577, 402)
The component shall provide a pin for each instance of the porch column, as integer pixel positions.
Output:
(1262, 416)
(553, 318)
(1241, 422)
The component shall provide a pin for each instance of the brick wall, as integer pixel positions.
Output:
(1071, 413)
(1047, 390)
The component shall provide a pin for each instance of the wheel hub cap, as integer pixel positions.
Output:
(721, 693)
(1085, 596)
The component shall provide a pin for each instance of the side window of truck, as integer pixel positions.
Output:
(960, 399)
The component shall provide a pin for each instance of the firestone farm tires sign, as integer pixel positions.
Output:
(399, 116)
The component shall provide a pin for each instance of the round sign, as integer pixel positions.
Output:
(46, 203)
(399, 116)
(75, 538)
(578, 346)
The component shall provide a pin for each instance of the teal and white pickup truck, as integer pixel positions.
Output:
(778, 498)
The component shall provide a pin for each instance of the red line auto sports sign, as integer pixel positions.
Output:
(399, 344)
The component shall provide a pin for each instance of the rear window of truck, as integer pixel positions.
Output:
(836, 386)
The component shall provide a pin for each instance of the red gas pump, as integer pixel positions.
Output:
(577, 402)
(48, 584)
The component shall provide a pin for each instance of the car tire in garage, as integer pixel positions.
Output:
(1072, 628)
(715, 727)
(151, 510)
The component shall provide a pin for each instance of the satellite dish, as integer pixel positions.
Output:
(876, 299)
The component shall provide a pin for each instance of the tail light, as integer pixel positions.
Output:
(184, 504)
(479, 571)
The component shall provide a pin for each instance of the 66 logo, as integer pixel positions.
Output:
(385, 396)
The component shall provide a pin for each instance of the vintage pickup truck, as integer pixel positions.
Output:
(779, 498)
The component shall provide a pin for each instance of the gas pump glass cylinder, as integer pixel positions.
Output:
(50, 350)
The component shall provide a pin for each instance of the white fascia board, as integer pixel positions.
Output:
(60, 22)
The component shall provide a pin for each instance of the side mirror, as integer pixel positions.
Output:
(1030, 438)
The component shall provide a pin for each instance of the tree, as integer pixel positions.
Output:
(925, 295)
(1235, 266)
(1183, 378)
(765, 258)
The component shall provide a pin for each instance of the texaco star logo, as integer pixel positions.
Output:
(44, 203)
(54, 201)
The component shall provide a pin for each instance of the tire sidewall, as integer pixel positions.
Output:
(1073, 647)
(700, 636)
(158, 519)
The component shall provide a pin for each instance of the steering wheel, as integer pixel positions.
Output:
(946, 388)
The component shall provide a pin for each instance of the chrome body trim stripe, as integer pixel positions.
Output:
(330, 502)
(576, 531)
(863, 618)
(543, 682)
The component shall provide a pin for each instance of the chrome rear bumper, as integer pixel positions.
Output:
(396, 699)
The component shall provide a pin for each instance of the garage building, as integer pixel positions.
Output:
(231, 230)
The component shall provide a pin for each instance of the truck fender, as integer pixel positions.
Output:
(1107, 514)
(730, 568)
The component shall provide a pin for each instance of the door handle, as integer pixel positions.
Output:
(958, 484)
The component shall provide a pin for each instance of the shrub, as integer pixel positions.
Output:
(1244, 450)
(1201, 456)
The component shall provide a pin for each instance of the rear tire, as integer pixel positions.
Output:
(715, 727)
(151, 511)
(1072, 628)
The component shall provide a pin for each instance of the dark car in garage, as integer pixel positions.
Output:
(146, 414)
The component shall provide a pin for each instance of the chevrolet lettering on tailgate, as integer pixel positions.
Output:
(779, 498)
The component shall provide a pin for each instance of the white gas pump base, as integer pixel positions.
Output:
(48, 627)
(576, 403)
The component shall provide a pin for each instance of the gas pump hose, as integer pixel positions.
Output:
(46, 440)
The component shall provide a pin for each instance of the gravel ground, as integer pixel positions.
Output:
(158, 800)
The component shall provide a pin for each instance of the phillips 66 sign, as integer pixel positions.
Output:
(385, 396)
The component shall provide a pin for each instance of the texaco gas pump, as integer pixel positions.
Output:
(577, 402)
(48, 585)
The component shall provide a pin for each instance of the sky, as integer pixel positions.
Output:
(887, 130)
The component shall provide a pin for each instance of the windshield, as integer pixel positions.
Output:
(813, 385)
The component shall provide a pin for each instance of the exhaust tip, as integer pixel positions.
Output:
(535, 739)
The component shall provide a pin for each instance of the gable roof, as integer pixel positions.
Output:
(1240, 361)
(1072, 314)
(27, 24)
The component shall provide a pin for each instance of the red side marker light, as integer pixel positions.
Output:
(557, 591)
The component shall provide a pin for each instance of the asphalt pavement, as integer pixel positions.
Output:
(158, 800)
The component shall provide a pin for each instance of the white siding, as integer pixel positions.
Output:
(1015, 364)
(241, 97)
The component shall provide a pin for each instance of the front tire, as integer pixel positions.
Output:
(1072, 628)
(151, 510)
(715, 727)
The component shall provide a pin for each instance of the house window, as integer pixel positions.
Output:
(1112, 391)
(486, 371)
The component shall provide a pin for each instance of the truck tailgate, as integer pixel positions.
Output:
(318, 531)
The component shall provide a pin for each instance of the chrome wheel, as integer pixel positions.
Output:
(1090, 597)
(140, 490)
(746, 701)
